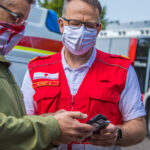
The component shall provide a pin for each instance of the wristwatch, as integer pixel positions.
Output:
(119, 131)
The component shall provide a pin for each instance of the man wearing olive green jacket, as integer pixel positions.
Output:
(17, 131)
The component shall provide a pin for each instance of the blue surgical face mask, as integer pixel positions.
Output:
(78, 41)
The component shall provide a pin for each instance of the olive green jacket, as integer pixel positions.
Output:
(17, 131)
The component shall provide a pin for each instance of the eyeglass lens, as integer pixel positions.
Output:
(76, 24)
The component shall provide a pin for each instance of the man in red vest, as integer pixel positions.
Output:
(81, 78)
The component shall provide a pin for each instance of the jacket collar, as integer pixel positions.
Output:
(4, 61)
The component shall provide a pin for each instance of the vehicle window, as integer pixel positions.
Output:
(141, 62)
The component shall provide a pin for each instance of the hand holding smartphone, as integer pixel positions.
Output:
(99, 122)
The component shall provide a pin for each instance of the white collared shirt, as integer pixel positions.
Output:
(76, 76)
(130, 103)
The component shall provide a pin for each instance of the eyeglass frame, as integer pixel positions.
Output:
(14, 14)
(81, 22)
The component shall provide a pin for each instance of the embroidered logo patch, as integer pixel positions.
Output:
(45, 83)
(42, 75)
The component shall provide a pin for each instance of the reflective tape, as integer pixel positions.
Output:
(34, 50)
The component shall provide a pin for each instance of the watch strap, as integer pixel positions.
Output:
(119, 131)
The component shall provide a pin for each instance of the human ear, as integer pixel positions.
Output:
(99, 29)
(61, 25)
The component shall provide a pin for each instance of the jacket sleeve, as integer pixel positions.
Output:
(27, 133)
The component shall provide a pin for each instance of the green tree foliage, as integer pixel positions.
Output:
(104, 21)
(57, 5)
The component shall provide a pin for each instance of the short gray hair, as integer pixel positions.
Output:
(93, 3)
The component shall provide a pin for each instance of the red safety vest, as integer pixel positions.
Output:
(99, 92)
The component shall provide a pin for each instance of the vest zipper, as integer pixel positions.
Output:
(72, 106)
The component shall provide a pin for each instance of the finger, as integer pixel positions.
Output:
(82, 127)
(73, 138)
(104, 136)
(110, 128)
(60, 111)
(47, 114)
(106, 131)
(78, 139)
(77, 136)
(84, 135)
(77, 133)
(77, 115)
(109, 142)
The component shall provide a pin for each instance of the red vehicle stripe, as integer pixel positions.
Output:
(41, 43)
(132, 48)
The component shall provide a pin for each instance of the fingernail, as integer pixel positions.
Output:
(84, 116)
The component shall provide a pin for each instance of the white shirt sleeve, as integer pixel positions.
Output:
(28, 93)
(131, 105)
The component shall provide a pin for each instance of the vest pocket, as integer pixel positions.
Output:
(105, 102)
(46, 98)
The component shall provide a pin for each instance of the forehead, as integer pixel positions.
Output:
(78, 9)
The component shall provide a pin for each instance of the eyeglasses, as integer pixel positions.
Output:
(19, 20)
(76, 24)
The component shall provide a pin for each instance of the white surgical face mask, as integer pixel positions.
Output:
(9, 36)
(78, 41)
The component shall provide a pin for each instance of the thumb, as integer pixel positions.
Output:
(77, 115)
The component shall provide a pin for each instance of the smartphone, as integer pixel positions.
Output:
(99, 122)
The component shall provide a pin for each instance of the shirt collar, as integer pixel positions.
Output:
(87, 65)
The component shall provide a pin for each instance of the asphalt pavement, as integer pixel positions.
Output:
(145, 145)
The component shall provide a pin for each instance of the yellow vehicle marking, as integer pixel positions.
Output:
(125, 57)
(34, 50)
